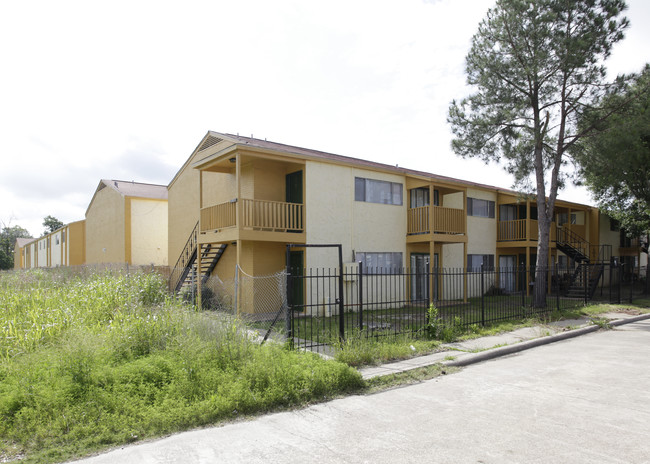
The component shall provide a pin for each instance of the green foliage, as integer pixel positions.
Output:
(535, 67)
(437, 328)
(615, 160)
(8, 236)
(359, 350)
(107, 358)
(51, 224)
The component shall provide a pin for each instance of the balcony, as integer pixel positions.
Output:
(521, 230)
(436, 220)
(248, 219)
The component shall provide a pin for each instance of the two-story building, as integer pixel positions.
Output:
(242, 200)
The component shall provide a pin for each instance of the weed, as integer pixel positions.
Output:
(601, 322)
(97, 360)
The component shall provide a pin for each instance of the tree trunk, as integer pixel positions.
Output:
(542, 266)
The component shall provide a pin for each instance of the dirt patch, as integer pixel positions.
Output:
(630, 311)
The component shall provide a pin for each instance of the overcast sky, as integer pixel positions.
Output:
(126, 90)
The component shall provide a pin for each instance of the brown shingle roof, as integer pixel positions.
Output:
(21, 242)
(264, 144)
(138, 189)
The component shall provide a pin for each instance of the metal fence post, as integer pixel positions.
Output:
(557, 287)
(522, 276)
(360, 289)
(620, 283)
(482, 294)
(289, 317)
(340, 299)
(585, 282)
(632, 282)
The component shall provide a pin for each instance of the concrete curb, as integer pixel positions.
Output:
(525, 345)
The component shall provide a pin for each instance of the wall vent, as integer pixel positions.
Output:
(209, 142)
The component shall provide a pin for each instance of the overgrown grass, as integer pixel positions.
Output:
(95, 361)
(358, 350)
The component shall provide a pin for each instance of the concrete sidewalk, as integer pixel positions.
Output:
(484, 348)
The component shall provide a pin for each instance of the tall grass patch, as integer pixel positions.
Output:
(108, 358)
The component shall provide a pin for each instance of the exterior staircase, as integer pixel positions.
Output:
(585, 280)
(185, 271)
(588, 272)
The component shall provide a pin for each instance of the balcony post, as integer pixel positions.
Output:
(527, 219)
(238, 205)
(465, 216)
(430, 224)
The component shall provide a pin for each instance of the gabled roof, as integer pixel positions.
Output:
(238, 141)
(137, 189)
(21, 242)
(321, 155)
(131, 189)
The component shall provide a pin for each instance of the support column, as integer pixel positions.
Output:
(432, 274)
(527, 220)
(465, 273)
(430, 224)
(199, 284)
(238, 286)
(527, 270)
(238, 205)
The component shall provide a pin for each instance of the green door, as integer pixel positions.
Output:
(294, 187)
(296, 267)
(294, 195)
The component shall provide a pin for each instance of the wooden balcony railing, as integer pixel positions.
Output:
(521, 229)
(219, 216)
(443, 220)
(511, 230)
(274, 215)
(255, 214)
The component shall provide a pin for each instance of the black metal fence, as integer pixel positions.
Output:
(329, 305)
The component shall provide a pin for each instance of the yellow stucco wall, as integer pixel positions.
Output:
(481, 232)
(333, 216)
(149, 231)
(77, 243)
(42, 253)
(184, 200)
(56, 248)
(607, 236)
(105, 225)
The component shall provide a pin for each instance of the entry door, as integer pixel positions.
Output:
(296, 267)
(294, 195)
(294, 187)
(419, 281)
(507, 270)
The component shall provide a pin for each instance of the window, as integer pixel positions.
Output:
(614, 225)
(380, 263)
(563, 218)
(420, 197)
(56, 240)
(474, 263)
(377, 191)
(480, 208)
(63, 236)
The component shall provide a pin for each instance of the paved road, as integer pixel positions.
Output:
(582, 400)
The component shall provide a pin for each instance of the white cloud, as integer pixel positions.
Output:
(127, 89)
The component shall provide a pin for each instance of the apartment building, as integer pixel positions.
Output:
(63, 247)
(242, 200)
(126, 222)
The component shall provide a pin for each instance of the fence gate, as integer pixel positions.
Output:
(315, 300)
